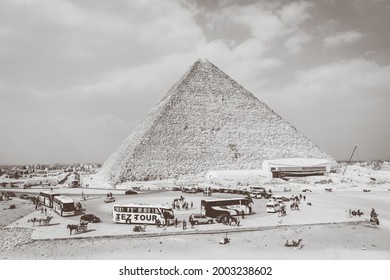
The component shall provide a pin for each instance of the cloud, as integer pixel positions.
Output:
(354, 78)
(294, 43)
(342, 38)
(295, 13)
(54, 44)
(347, 99)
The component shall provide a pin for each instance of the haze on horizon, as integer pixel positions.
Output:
(76, 77)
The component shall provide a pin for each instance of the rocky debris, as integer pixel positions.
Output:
(207, 121)
(13, 237)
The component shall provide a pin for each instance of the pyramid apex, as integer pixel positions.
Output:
(203, 60)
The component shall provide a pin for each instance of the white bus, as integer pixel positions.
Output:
(63, 205)
(47, 198)
(136, 213)
(226, 206)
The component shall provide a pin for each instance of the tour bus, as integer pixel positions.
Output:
(63, 205)
(229, 206)
(138, 213)
(273, 207)
(46, 198)
(75, 182)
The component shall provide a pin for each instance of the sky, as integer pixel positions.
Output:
(76, 77)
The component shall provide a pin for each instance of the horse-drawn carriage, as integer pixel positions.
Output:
(82, 227)
(41, 221)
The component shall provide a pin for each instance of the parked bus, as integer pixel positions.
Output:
(46, 198)
(229, 206)
(63, 205)
(135, 213)
(75, 182)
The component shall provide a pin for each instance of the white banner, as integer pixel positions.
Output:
(183, 269)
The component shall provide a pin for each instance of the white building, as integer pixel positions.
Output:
(288, 167)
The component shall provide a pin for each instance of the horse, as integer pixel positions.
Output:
(294, 206)
(73, 227)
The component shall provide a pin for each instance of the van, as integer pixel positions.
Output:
(257, 189)
(273, 207)
(277, 198)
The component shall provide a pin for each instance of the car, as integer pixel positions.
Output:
(24, 196)
(109, 199)
(306, 190)
(255, 194)
(10, 194)
(130, 192)
(192, 190)
(176, 189)
(91, 218)
(201, 219)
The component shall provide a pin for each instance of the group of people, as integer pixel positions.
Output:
(231, 221)
(179, 203)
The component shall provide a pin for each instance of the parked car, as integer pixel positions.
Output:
(187, 190)
(109, 199)
(306, 190)
(280, 198)
(130, 192)
(176, 189)
(91, 218)
(255, 194)
(10, 194)
(201, 219)
(24, 196)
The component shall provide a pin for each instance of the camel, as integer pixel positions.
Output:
(294, 243)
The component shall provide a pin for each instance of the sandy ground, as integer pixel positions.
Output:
(327, 234)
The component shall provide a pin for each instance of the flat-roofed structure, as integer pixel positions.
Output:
(297, 167)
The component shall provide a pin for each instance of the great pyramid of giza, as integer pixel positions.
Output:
(207, 121)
